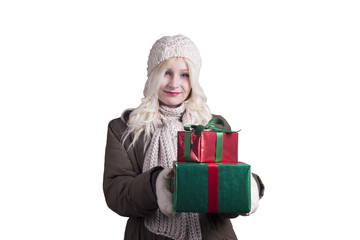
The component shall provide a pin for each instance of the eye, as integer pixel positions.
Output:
(167, 73)
(186, 75)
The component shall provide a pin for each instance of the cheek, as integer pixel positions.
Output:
(162, 84)
(188, 86)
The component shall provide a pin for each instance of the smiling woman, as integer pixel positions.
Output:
(142, 146)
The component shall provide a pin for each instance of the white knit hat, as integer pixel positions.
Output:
(173, 46)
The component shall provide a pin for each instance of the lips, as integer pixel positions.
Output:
(172, 93)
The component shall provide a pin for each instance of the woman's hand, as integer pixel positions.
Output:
(163, 192)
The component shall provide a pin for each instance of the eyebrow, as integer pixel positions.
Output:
(170, 69)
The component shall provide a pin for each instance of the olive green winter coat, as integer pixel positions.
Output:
(130, 192)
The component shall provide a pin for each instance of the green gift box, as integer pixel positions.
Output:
(211, 187)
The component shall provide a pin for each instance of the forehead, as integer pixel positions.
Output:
(177, 64)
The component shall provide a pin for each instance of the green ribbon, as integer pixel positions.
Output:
(198, 129)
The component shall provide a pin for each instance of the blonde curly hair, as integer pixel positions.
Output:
(140, 118)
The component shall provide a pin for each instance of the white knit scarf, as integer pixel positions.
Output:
(163, 152)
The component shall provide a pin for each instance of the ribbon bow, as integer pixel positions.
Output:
(198, 129)
(211, 125)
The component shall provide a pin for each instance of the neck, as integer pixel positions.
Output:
(172, 112)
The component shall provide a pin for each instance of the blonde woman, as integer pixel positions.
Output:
(141, 147)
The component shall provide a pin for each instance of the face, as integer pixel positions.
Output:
(175, 86)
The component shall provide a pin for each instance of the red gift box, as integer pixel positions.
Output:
(203, 148)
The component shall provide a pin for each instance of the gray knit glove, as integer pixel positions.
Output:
(254, 195)
(163, 194)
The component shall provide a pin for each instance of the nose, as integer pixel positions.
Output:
(174, 81)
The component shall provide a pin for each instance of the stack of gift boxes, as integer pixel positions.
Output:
(207, 175)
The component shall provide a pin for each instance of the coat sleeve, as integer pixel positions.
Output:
(227, 125)
(127, 191)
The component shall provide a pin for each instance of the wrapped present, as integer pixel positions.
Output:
(211, 187)
(216, 145)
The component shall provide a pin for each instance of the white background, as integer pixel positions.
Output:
(285, 72)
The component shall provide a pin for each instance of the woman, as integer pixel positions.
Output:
(141, 147)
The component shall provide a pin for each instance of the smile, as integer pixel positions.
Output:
(172, 93)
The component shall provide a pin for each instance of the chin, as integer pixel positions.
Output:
(171, 102)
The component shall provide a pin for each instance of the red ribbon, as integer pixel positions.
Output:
(213, 187)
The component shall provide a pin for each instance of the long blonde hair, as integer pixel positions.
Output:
(147, 112)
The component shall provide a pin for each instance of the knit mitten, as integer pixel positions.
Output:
(163, 194)
(254, 195)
